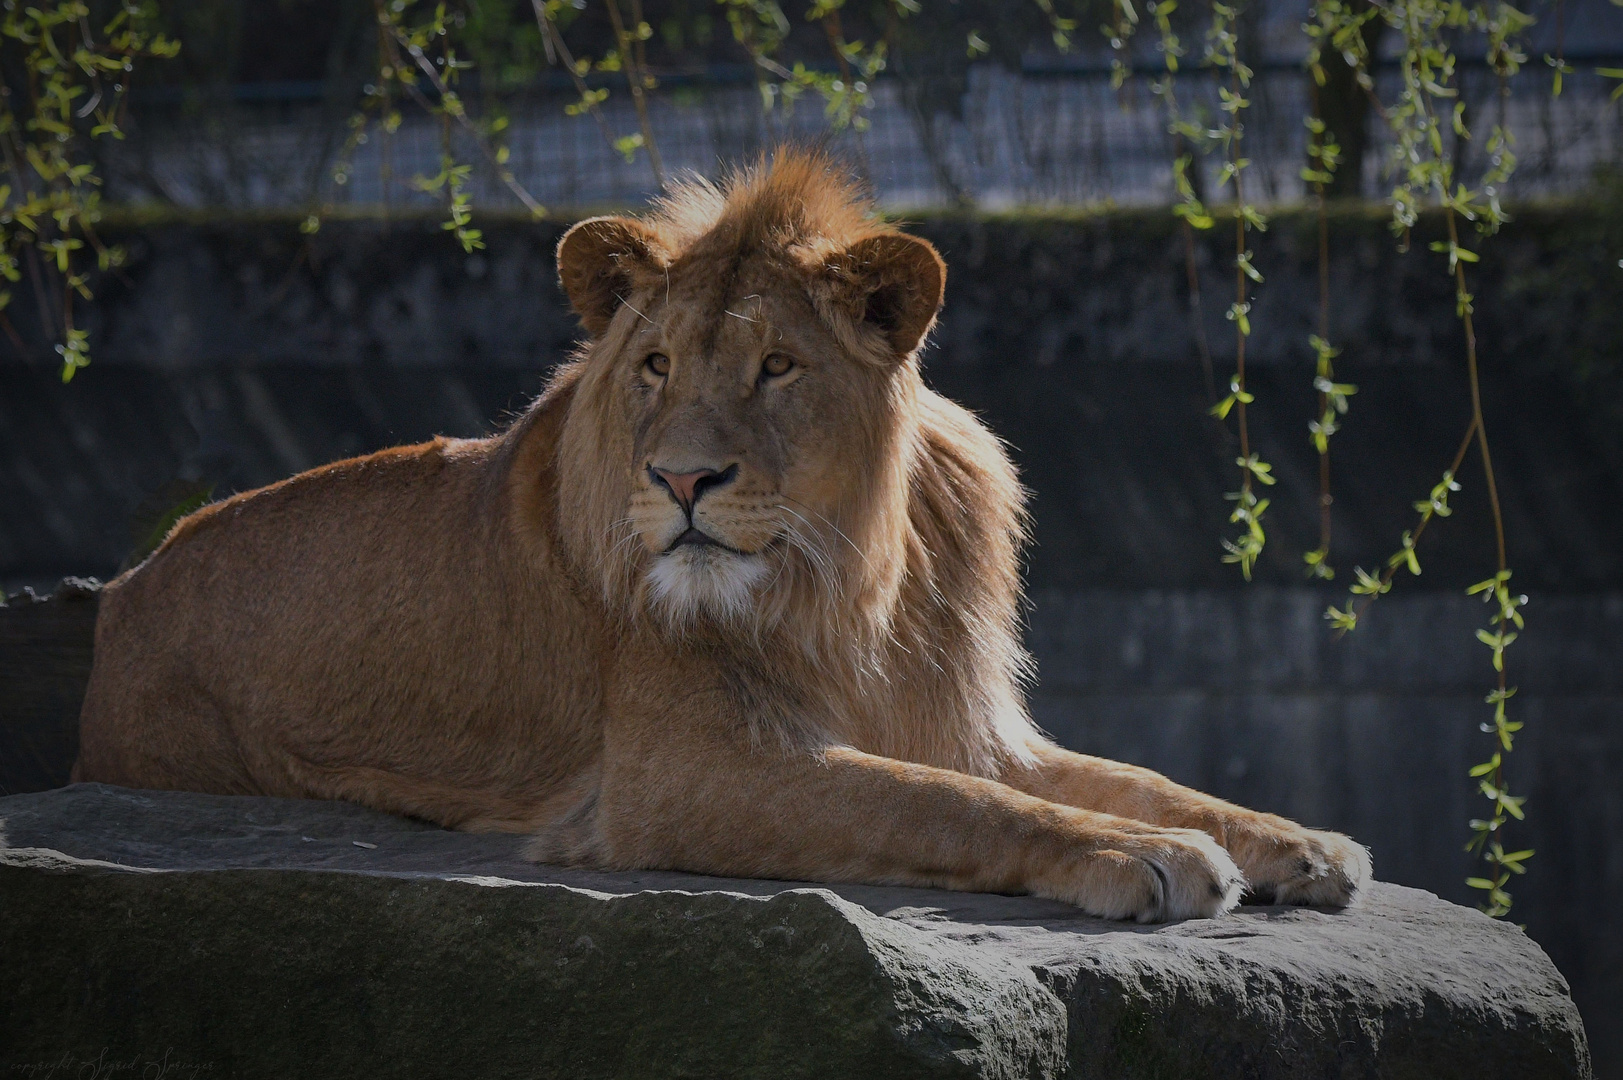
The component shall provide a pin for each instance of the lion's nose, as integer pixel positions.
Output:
(687, 487)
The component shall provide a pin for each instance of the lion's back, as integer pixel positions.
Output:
(273, 597)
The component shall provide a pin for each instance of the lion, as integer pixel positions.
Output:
(738, 595)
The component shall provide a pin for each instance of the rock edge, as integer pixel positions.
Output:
(266, 937)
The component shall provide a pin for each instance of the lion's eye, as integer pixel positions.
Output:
(777, 364)
(658, 364)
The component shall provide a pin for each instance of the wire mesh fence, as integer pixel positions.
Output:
(1017, 138)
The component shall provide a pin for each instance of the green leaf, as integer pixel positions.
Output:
(1257, 468)
(1484, 586)
(1193, 212)
(1405, 556)
(1237, 314)
(1318, 564)
(1498, 643)
(1341, 620)
(1368, 584)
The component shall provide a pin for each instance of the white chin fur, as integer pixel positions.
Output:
(694, 579)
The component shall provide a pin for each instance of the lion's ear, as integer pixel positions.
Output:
(596, 261)
(896, 283)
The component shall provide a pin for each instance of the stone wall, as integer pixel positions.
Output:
(234, 356)
(237, 352)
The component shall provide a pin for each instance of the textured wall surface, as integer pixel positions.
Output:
(239, 352)
(233, 357)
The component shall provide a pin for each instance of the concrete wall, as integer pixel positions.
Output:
(234, 356)
(240, 351)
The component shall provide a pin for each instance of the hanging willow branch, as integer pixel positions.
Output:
(1426, 171)
(1222, 52)
(71, 88)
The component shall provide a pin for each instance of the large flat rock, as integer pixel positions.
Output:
(161, 932)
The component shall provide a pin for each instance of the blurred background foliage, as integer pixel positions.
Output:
(991, 103)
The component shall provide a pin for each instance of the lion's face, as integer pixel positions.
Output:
(756, 397)
(749, 451)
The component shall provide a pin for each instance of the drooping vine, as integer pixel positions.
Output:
(72, 89)
(1120, 30)
(1334, 25)
(418, 62)
(1424, 165)
(1226, 136)
(1222, 52)
(1189, 209)
(1425, 169)
(631, 57)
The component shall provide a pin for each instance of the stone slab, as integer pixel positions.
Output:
(45, 653)
(251, 937)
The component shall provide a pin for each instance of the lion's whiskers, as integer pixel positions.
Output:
(845, 648)
(614, 564)
(837, 530)
(822, 562)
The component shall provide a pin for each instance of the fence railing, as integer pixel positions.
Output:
(1055, 137)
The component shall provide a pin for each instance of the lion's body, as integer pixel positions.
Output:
(370, 613)
(407, 612)
(690, 611)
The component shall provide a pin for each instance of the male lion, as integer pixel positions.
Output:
(736, 595)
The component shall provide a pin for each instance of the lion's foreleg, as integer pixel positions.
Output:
(684, 787)
(1282, 860)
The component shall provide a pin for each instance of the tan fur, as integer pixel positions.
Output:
(499, 634)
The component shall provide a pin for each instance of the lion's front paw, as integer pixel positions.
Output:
(1153, 875)
(1304, 866)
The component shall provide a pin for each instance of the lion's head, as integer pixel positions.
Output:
(747, 406)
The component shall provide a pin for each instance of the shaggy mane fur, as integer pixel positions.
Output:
(797, 199)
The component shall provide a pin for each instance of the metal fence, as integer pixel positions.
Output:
(1032, 138)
